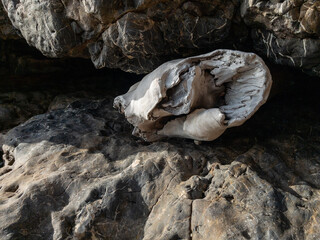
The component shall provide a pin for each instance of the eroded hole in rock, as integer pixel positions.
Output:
(245, 234)
(1, 159)
(12, 188)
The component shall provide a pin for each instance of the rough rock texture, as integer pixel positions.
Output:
(287, 32)
(7, 31)
(17, 107)
(77, 173)
(135, 36)
(197, 97)
(35, 91)
(141, 41)
(138, 36)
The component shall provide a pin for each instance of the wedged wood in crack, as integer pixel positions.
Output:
(197, 97)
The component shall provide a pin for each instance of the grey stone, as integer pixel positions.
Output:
(138, 36)
(133, 36)
(77, 173)
(139, 42)
(286, 32)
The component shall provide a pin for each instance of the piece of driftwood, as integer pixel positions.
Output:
(197, 97)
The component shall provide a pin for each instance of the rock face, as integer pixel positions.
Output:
(33, 93)
(134, 36)
(6, 28)
(77, 173)
(287, 32)
(197, 97)
(138, 36)
(17, 107)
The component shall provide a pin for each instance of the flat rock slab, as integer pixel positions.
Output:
(77, 173)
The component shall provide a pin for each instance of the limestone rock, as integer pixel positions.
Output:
(138, 36)
(287, 32)
(7, 31)
(17, 107)
(77, 173)
(197, 97)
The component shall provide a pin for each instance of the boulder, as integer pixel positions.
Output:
(286, 32)
(77, 173)
(138, 36)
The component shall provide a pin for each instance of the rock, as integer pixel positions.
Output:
(17, 107)
(29, 94)
(286, 32)
(18, 60)
(43, 25)
(73, 170)
(77, 173)
(7, 31)
(140, 41)
(138, 36)
(197, 97)
(133, 36)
